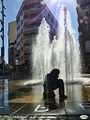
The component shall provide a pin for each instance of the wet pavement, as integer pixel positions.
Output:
(24, 97)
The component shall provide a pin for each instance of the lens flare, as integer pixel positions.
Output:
(55, 1)
(58, 1)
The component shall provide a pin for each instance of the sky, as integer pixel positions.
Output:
(12, 7)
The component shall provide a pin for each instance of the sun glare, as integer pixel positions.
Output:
(54, 1)
(58, 1)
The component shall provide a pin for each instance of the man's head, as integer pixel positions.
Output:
(55, 72)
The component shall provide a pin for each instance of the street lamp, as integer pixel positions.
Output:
(2, 35)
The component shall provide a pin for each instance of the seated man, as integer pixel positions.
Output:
(51, 83)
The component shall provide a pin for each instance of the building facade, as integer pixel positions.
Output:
(83, 10)
(11, 41)
(28, 21)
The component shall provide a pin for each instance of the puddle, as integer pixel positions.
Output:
(85, 105)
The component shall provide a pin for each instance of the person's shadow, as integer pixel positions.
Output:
(51, 104)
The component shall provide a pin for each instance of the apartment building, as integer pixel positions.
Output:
(83, 11)
(28, 21)
(11, 41)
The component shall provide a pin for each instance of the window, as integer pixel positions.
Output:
(87, 46)
(86, 11)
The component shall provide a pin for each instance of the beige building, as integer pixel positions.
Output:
(11, 41)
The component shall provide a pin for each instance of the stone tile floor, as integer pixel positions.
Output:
(20, 99)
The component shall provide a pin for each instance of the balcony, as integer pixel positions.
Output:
(17, 52)
(83, 2)
(31, 30)
(27, 50)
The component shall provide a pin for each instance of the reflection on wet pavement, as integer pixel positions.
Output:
(86, 91)
(31, 94)
(18, 98)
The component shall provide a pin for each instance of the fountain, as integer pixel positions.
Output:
(62, 53)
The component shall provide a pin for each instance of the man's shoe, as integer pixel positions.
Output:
(53, 106)
(62, 104)
(65, 97)
(62, 98)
